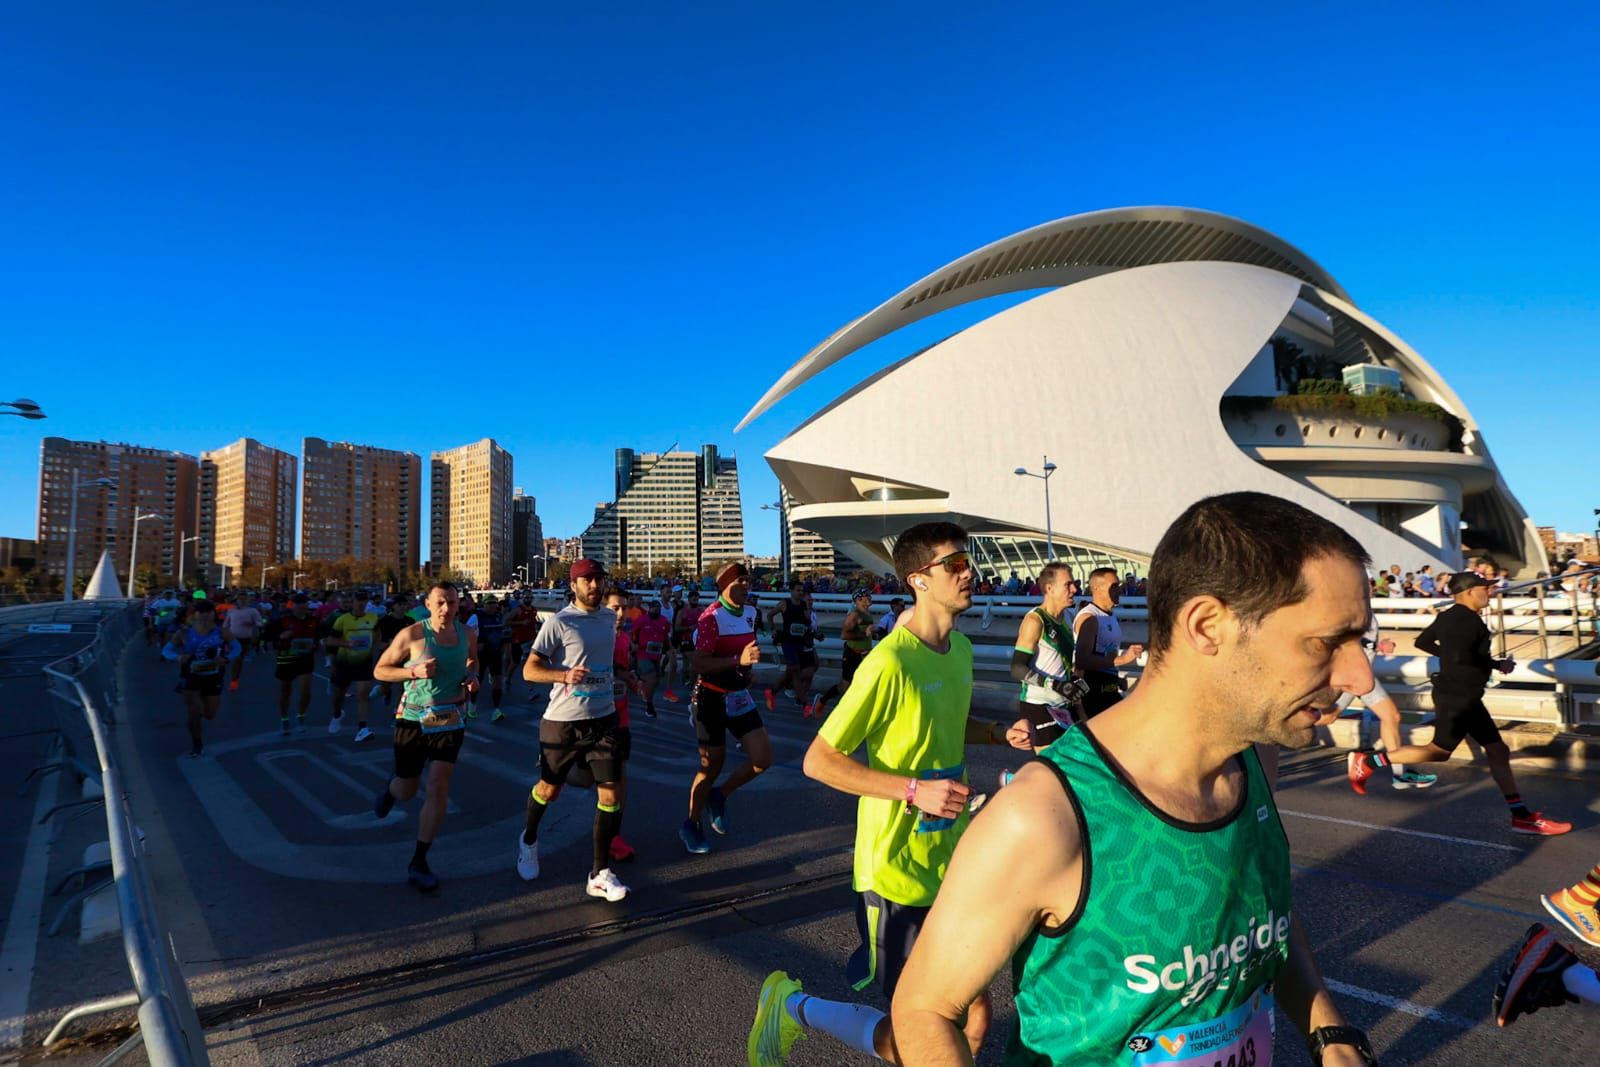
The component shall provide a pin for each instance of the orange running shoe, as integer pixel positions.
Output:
(1583, 921)
(1539, 825)
(772, 700)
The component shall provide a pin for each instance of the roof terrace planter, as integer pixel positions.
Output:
(1335, 419)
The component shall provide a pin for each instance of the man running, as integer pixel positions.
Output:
(652, 638)
(909, 705)
(167, 609)
(1184, 935)
(436, 660)
(794, 625)
(857, 635)
(574, 655)
(1041, 661)
(390, 625)
(492, 640)
(725, 655)
(897, 607)
(244, 626)
(1387, 712)
(683, 636)
(523, 622)
(1099, 642)
(1460, 639)
(295, 637)
(202, 652)
(351, 641)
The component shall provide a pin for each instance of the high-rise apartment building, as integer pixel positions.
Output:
(679, 508)
(805, 552)
(148, 481)
(470, 512)
(527, 537)
(360, 502)
(246, 508)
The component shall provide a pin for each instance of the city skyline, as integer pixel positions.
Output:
(428, 207)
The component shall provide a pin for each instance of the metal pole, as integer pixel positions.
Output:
(72, 535)
(133, 550)
(1049, 531)
(650, 553)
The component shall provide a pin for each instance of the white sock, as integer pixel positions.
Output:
(1398, 769)
(1582, 983)
(852, 1024)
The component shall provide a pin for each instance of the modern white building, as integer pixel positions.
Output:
(1184, 353)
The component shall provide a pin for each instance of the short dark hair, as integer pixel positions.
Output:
(1249, 550)
(1103, 572)
(1048, 572)
(913, 549)
(449, 587)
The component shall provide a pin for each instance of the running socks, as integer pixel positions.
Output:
(1582, 983)
(1587, 892)
(607, 821)
(1519, 810)
(536, 807)
(1378, 759)
(419, 858)
(852, 1024)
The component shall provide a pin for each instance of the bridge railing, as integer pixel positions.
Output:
(168, 1026)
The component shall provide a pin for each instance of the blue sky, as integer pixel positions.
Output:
(417, 225)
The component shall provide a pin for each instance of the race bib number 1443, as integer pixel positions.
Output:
(1241, 1038)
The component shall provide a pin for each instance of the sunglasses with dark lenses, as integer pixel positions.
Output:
(954, 563)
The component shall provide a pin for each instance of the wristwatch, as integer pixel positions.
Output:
(1320, 1038)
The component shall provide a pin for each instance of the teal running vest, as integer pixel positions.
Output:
(445, 686)
(1181, 930)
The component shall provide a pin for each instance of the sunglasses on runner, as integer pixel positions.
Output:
(955, 563)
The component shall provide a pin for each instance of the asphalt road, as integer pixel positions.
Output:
(288, 905)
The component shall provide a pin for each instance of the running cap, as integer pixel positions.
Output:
(730, 574)
(587, 568)
(199, 594)
(1460, 583)
(863, 594)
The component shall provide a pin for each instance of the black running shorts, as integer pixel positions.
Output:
(347, 674)
(207, 685)
(888, 931)
(290, 669)
(599, 744)
(1457, 716)
(848, 664)
(413, 748)
(712, 724)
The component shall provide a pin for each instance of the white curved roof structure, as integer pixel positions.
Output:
(1153, 316)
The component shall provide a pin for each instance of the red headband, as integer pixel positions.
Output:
(730, 574)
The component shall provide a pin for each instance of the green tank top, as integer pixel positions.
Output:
(445, 686)
(1181, 930)
(863, 643)
(1052, 658)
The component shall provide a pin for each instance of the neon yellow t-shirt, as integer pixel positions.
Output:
(908, 704)
(356, 629)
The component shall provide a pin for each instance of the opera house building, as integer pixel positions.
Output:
(1169, 354)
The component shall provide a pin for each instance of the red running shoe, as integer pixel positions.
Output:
(670, 695)
(233, 685)
(1359, 768)
(621, 851)
(772, 700)
(1539, 826)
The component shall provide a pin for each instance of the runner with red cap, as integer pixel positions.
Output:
(725, 655)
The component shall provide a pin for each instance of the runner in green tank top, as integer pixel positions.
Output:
(1136, 875)
(1041, 661)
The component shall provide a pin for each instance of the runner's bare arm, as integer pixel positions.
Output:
(1306, 1000)
(942, 797)
(1018, 866)
(538, 669)
(391, 665)
(472, 660)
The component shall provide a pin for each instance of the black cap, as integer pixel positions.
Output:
(1460, 583)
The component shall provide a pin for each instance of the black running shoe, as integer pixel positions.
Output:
(425, 881)
(1532, 980)
(383, 804)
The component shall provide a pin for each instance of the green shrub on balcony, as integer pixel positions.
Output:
(1328, 396)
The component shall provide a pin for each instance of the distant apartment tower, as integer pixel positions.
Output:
(149, 481)
(527, 536)
(246, 508)
(360, 502)
(470, 512)
(681, 508)
(805, 552)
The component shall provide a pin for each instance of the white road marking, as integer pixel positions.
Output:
(1402, 830)
(20, 948)
(1383, 1000)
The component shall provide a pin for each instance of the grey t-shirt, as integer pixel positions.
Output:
(576, 638)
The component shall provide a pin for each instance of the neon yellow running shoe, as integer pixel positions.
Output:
(773, 1033)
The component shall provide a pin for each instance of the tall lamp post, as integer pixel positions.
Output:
(182, 546)
(649, 550)
(295, 580)
(133, 549)
(783, 539)
(1049, 532)
(72, 525)
(265, 570)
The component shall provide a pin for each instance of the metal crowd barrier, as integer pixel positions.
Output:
(168, 1026)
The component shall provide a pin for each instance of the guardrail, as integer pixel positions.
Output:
(168, 1026)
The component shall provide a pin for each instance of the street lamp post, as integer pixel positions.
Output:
(649, 550)
(295, 580)
(72, 524)
(182, 545)
(1049, 531)
(264, 570)
(783, 539)
(133, 549)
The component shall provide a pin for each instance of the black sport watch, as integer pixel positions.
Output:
(1320, 1038)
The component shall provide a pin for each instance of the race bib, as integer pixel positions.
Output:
(652, 648)
(441, 718)
(302, 646)
(205, 665)
(930, 824)
(1241, 1038)
(360, 642)
(798, 629)
(596, 685)
(740, 702)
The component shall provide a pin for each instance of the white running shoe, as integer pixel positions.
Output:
(375, 692)
(362, 734)
(527, 859)
(335, 723)
(605, 884)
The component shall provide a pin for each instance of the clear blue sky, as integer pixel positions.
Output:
(417, 225)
